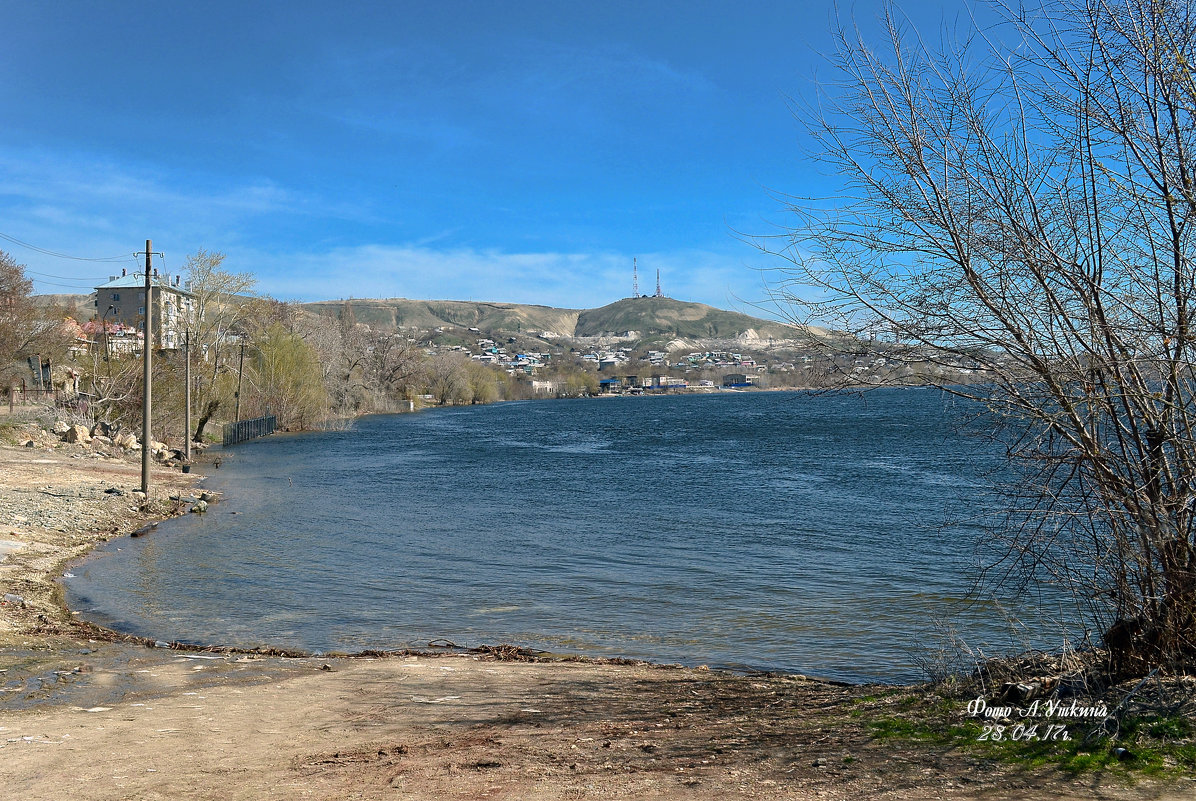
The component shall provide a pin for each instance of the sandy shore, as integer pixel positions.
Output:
(82, 716)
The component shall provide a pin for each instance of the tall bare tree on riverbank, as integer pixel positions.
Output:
(221, 307)
(1023, 203)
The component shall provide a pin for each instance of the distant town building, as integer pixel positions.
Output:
(122, 300)
(609, 386)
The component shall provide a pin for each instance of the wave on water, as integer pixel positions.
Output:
(809, 533)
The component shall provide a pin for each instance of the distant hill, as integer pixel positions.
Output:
(655, 319)
(81, 307)
(392, 313)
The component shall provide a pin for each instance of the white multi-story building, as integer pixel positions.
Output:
(122, 300)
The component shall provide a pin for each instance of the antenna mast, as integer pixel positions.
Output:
(659, 294)
(635, 279)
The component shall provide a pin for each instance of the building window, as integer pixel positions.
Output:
(141, 310)
(116, 296)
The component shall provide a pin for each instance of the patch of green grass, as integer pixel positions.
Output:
(1175, 728)
(9, 433)
(1160, 747)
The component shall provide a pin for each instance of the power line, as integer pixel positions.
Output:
(16, 241)
(70, 278)
(79, 285)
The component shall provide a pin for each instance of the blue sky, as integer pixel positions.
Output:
(518, 151)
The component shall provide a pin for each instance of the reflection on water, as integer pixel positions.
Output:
(779, 530)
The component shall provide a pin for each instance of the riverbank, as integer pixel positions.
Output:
(85, 717)
(58, 500)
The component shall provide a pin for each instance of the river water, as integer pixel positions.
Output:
(824, 534)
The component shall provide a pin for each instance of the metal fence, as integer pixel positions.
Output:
(248, 429)
(25, 395)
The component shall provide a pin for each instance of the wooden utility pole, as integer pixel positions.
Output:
(147, 389)
(240, 372)
(187, 409)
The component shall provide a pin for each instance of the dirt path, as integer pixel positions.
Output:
(82, 718)
(122, 722)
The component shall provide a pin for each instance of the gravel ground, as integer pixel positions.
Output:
(57, 501)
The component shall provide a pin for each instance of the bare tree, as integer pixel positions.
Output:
(393, 365)
(221, 310)
(449, 379)
(25, 330)
(1023, 202)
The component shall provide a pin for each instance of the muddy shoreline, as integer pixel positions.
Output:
(106, 716)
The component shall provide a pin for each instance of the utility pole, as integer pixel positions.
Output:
(147, 388)
(187, 409)
(240, 373)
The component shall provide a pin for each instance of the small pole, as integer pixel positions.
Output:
(187, 410)
(147, 388)
(240, 373)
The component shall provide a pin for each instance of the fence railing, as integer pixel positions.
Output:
(25, 395)
(243, 430)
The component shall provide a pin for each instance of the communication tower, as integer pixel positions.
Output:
(658, 294)
(635, 279)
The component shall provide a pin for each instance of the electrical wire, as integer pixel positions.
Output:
(80, 281)
(56, 255)
(83, 285)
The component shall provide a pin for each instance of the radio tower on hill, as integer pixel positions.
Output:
(658, 294)
(635, 279)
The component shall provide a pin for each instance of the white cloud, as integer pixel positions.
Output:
(95, 208)
(568, 280)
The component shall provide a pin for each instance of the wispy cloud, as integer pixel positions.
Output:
(95, 208)
(569, 280)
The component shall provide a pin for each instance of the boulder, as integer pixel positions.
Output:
(127, 441)
(61, 427)
(77, 433)
(200, 507)
(102, 429)
(100, 439)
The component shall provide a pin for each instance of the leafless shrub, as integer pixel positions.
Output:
(1022, 204)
